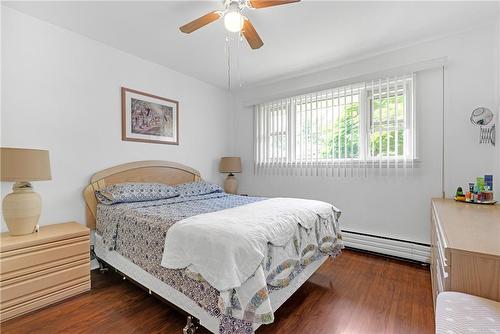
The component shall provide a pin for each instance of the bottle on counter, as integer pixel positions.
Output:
(470, 192)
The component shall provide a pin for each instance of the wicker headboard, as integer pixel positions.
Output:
(156, 171)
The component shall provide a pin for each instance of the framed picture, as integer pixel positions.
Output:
(149, 118)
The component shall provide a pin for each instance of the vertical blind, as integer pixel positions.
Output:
(361, 129)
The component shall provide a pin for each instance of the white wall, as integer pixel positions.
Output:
(61, 92)
(398, 207)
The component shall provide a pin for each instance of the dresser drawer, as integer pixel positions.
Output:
(41, 294)
(30, 304)
(34, 259)
(33, 285)
(439, 261)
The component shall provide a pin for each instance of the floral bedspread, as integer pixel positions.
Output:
(138, 230)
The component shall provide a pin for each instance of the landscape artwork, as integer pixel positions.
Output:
(149, 118)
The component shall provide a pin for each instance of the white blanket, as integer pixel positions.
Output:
(226, 247)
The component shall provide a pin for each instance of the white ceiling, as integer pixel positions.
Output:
(297, 37)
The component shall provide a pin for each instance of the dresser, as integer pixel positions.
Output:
(465, 248)
(42, 268)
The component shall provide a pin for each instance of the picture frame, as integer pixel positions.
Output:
(149, 118)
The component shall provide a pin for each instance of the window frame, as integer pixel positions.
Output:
(288, 129)
(408, 85)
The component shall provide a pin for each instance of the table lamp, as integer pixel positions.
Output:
(230, 165)
(21, 208)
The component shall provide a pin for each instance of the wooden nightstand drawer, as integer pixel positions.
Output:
(33, 285)
(32, 259)
(42, 268)
(52, 296)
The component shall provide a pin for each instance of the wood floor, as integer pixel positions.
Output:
(355, 293)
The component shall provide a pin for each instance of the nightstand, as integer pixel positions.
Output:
(42, 268)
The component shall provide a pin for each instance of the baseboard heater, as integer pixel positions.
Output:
(389, 246)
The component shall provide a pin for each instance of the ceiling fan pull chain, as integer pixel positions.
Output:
(238, 56)
(228, 55)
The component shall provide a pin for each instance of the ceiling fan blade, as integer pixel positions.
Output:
(200, 22)
(251, 35)
(270, 3)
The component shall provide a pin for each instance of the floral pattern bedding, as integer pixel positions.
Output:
(137, 231)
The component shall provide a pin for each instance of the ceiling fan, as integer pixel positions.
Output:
(234, 20)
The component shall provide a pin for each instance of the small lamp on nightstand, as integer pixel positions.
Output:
(22, 207)
(230, 165)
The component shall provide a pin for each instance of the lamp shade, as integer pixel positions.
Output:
(230, 165)
(24, 165)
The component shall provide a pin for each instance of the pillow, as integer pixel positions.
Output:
(197, 188)
(135, 192)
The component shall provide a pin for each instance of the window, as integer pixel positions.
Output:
(390, 118)
(362, 124)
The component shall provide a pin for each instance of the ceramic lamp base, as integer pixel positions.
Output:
(21, 209)
(231, 184)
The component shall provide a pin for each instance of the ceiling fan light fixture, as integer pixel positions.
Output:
(233, 21)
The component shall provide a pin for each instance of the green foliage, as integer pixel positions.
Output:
(337, 139)
(341, 140)
(382, 112)
(380, 109)
(376, 146)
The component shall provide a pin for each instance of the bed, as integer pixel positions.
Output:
(132, 239)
